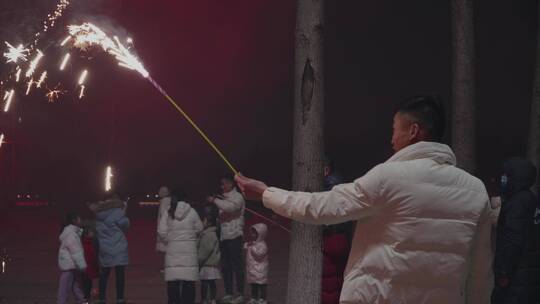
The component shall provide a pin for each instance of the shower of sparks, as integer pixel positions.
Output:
(18, 75)
(88, 35)
(29, 87)
(41, 79)
(68, 38)
(9, 99)
(14, 54)
(51, 19)
(81, 94)
(33, 64)
(53, 94)
(82, 78)
(108, 179)
(64, 62)
(1, 139)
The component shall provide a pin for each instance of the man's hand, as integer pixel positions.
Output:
(252, 189)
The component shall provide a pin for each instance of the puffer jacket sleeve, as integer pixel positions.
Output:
(259, 251)
(163, 228)
(75, 249)
(231, 204)
(480, 277)
(123, 222)
(197, 224)
(343, 203)
(513, 227)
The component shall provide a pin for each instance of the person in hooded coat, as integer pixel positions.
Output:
(257, 263)
(180, 230)
(517, 254)
(112, 225)
(164, 205)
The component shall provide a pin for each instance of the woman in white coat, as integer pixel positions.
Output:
(180, 230)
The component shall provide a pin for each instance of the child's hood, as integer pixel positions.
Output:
(69, 231)
(262, 230)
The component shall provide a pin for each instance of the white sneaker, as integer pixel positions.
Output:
(226, 299)
(239, 299)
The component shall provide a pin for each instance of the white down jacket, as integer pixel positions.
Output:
(71, 252)
(257, 257)
(419, 219)
(181, 237)
(231, 214)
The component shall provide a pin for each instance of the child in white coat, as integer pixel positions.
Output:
(209, 257)
(257, 263)
(71, 260)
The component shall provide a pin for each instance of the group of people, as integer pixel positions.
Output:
(88, 252)
(196, 246)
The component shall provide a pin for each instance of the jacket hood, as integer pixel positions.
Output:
(68, 231)
(440, 153)
(521, 174)
(182, 210)
(106, 205)
(262, 230)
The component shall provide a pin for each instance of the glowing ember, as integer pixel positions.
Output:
(88, 35)
(82, 78)
(9, 99)
(64, 61)
(18, 75)
(41, 79)
(68, 38)
(29, 87)
(81, 94)
(53, 94)
(14, 54)
(108, 179)
(34, 64)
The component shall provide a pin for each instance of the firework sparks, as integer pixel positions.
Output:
(9, 99)
(88, 35)
(83, 76)
(16, 54)
(61, 6)
(81, 94)
(52, 95)
(1, 139)
(68, 38)
(108, 178)
(64, 61)
(18, 75)
(33, 64)
(29, 87)
(41, 79)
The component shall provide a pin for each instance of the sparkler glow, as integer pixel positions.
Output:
(14, 54)
(53, 94)
(41, 79)
(9, 99)
(33, 64)
(65, 61)
(82, 78)
(61, 6)
(108, 178)
(1, 139)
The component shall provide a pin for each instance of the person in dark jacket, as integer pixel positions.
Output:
(517, 254)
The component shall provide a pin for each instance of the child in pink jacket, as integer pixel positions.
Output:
(257, 263)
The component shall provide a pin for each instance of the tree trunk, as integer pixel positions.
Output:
(533, 146)
(305, 264)
(463, 84)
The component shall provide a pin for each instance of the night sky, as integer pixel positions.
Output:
(230, 65)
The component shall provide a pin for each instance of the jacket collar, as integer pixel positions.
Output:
(440, 153)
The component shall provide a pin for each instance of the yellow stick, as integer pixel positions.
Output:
(194, 125)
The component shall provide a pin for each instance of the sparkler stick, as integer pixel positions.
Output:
(65, 61)
(9, 99)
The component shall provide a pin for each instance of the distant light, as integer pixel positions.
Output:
(1, 139)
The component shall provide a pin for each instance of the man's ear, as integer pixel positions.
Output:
(414, 131)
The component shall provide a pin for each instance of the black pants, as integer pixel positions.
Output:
(120, 283)
(87, 287)
(208, 290)
(258, 291)
(181, 292)
(232, 264)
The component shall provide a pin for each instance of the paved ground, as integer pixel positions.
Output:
(30, 237)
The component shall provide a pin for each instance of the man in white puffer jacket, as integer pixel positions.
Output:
(419, 218)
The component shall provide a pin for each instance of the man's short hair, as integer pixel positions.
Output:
(428, 112)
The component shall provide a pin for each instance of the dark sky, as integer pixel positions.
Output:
(230, 65)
